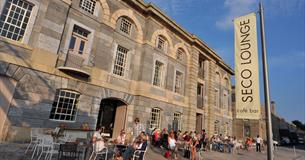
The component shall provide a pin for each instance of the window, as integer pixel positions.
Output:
(177, 121)
(217, 98)
(216, 127)
(87, 5)
(78, 40)
(161, 43)
(125, 26)
(178, 82)
(15, 18)
(200, 95)
(155, 118)
(65, 105)
(226, 99)
(120, 61)
(201, 67)
(158, 75)
(180, 54)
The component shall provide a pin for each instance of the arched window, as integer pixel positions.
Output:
(180, 54)
(125, 25)
(64, 105)
(88, 5)
(162, 43)
(155, 118)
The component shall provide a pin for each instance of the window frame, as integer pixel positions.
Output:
(122, 26)
(181, 89)
(181, 52)
(78, 39)
(58, 97)
(158, 119)
(161, 47)
(125, 61)
(178, 115)
(91, 10)
(87, 57)
(26, 37)
(162, 74)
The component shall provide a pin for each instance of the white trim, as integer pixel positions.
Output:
(74, 106)
(30, 25)
(159, 120)
(182, 89)
(127, 65)
(163, 60)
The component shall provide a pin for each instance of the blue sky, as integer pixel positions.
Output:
(211, 20)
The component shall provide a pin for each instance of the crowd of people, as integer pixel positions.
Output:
(190, 144)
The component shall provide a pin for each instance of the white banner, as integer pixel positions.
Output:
(246, 68)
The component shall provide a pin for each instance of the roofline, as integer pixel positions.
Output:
(149, 8)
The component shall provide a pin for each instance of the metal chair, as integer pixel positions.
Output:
(68, 151)
(34, 139)
(102, 152)
(140, 153)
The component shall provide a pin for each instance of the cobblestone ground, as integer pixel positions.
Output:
(15, 151)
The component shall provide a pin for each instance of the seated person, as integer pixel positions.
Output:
(121, 139)
(140, 143)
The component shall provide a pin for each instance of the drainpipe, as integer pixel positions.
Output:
(62, 34)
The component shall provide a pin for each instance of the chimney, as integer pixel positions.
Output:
(273, 108)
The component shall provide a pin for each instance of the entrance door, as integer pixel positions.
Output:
(112, 116)
(198, 122)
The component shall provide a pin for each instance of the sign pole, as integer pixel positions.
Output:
(266, 86)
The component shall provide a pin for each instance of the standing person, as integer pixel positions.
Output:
(259, 140)
(172, 144)
(137, 128)
(203, 139)
(97, 139)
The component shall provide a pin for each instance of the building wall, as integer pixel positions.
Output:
(34, 63)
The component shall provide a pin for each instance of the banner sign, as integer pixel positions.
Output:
(246, 68)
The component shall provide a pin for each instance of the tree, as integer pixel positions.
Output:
(299, 124)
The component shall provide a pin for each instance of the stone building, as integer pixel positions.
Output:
(105, 62)
(243, 128)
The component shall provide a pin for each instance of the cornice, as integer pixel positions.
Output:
(150, 10)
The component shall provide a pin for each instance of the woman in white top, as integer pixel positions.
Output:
(98, 141)
(172, 144)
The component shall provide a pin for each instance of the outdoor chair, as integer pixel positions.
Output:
(100, 153)
(34, 139)
(68, 151)
(139, 154)
(48, 147)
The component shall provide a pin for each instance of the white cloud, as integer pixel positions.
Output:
(235, 8)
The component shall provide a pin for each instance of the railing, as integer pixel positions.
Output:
(74, 62)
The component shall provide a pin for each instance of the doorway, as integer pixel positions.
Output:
(112, 116)
(199, 118)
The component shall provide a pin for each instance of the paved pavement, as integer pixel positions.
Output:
(15, 151)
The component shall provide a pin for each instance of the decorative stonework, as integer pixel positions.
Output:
(164, 33)
(109, 93)
(181, 45)
(128, 13)
(105, 10)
